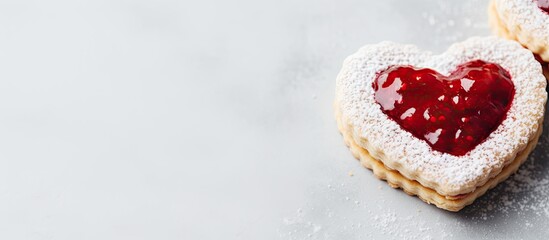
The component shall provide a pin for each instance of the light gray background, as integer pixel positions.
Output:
(213, 119)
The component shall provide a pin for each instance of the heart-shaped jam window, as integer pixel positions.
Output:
(544, 5)
(454, 113)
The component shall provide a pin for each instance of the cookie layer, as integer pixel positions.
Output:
(430, 196)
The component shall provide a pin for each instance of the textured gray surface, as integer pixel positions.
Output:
(213, 120)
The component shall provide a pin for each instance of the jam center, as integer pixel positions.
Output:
(544, 5)
(454, 113)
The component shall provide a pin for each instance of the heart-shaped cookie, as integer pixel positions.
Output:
(526, 21)
(480, 74)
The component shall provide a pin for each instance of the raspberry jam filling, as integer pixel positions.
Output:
(454, 113)
(544, 5)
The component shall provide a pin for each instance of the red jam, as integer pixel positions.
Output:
(453, 114)
(544, 5)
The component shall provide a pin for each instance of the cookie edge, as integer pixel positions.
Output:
(414, 188)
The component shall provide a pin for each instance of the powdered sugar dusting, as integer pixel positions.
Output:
(448, 174)
(527, 15)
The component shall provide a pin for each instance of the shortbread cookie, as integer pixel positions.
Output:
(447, 149)
(526, 21)
(500, 29)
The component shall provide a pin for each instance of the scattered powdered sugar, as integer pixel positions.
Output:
(526, 193)
(385, 139)
(346, 217)
(389, 225)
